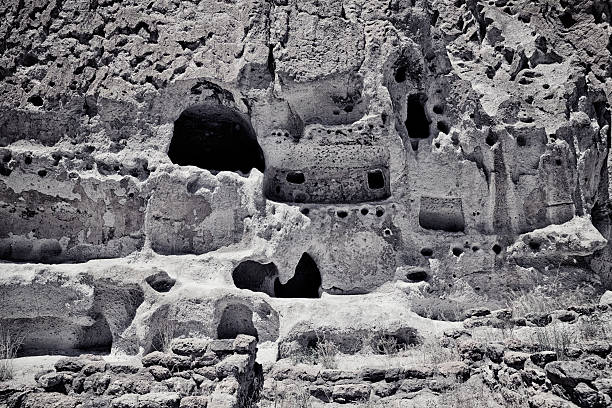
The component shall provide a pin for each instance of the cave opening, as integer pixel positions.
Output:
(305, 283)
(236, 319)
(255, 276)
(417, 123)
(97, 337)
(215, 138)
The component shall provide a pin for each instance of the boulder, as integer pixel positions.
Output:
(159, 400)
(606, 298)
(569, 373)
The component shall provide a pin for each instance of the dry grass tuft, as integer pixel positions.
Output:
(10, 342)
(540, 301)
(555, 337)
(439, 309)
(164, 335)
(322, 352)
(475, 394)
(433, 352)
(292, 397)
(386, 344)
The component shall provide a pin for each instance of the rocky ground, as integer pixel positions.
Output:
(561, 358)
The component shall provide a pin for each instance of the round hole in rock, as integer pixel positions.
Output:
(558, 162)
(475, 248)
(567, 20)
(380, 211)
(342, 214)
(42, 172)
(457, 251)
(534, 246)
(443, 127)
(491, 139)
(35, 100)
(364, 211)
(387, 231)
(427, 252)
(305, 211)
(521, 141)
(236, 319)
(160, 281)
(305, 283)
(255, 276)
(438, 109)
(295, 177)
(497, 249)
(417, 276)
(400, 74)
(216, 138)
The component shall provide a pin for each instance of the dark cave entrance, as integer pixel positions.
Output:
(215, 138)
(97, 337)
(417, 123)
(236, 319)
(305, 283)
(255, 276)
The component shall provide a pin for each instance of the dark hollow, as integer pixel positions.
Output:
(376, 180)
(236, 319)
(215, 138)
(417, 123)
(305, 283)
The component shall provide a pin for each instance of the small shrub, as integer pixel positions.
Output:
(554, 337)
(435, 353)
(548, 296)
(536, 301)
(164, 335)
(250, 398)
(10, 342)
(325, 353)
(387, 344)
(593, 328)
(321, 351)
(294, 397)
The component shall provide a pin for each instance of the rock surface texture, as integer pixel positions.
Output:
(291, 169)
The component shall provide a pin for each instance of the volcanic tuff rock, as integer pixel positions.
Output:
(183, 167)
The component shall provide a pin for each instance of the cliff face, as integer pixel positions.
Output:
(461, 145)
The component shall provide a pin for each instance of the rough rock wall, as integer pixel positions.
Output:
(397, 136)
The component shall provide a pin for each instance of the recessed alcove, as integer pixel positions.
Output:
(236, 319)
(258, 277)
(255, 276)
(417, 123)
(215, 138)
(305, 283)
(441, 213)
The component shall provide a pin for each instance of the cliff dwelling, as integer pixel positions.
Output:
(305, 203)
